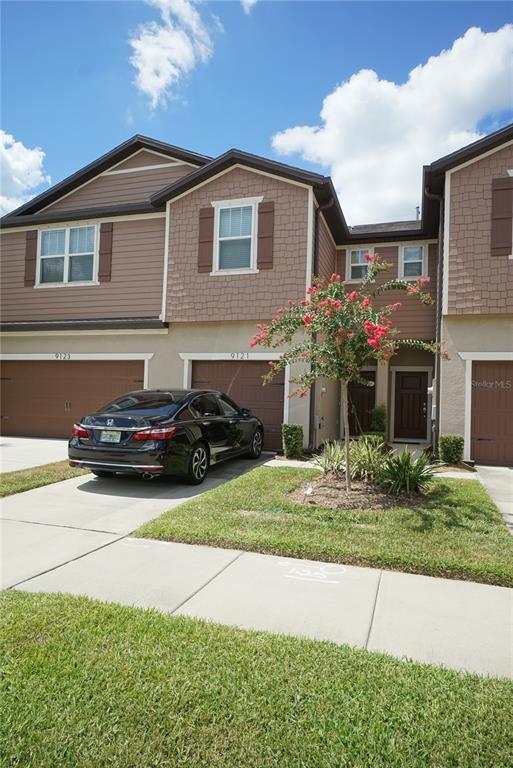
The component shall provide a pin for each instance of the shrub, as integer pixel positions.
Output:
(292, 435)
(332, 460)
(379, 418)
(450, 448)
(379, 436)
(368, 458)
(404, 473)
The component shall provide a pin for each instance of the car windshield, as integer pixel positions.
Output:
(145, 401)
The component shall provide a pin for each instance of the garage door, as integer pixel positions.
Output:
(492, 413)
(242, 381)
(44, 398)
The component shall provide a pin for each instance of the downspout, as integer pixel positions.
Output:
(438, 324)
(315, 271)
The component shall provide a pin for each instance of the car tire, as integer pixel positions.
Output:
(257, 443)
(102, 473)
(198, 464)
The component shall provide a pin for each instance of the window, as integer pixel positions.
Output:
(412, 261)
(205, 405)
(228, 407)
(357, 266)
(67, 255)
(235, 235)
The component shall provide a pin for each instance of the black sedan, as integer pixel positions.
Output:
(165, 432)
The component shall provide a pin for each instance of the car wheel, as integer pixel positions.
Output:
(198, 464)
(256, 444)
(102, 473)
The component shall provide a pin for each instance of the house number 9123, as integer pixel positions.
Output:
(63, 355)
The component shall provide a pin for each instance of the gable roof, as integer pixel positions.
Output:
(116, 155)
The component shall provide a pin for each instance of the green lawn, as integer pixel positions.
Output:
(26, 479)
(457, 532)
(93, 685)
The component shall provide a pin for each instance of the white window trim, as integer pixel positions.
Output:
(349, 279)
(66, 283)
(425, 260)
(218, 205)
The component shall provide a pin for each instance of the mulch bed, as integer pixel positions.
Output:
(329, 492)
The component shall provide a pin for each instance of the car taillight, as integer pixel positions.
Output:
(79, 431)
(155, 433)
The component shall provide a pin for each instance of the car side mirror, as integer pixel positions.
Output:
(245, 412)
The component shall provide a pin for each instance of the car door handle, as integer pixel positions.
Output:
(205, 423)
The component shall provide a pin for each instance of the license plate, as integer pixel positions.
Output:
(108, 436)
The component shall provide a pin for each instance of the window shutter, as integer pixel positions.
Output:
(30, 258)
(105, 266)
(502, 216)
(265, 235)
(206, 239)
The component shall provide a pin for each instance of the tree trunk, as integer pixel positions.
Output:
(345, 406)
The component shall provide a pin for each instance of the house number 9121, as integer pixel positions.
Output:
(240, 355)
(63, 355)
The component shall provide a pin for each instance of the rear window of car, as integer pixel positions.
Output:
(145, 401)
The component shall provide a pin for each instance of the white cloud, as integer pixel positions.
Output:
(21, 172)
(166, 50)
(375, 134)
(248, 5)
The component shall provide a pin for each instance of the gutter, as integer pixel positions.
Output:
(315, 271)
(438, 325)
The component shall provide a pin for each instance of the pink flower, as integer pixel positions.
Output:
(335, 277)
(303, 302)
(352, 296)
(290, 303)
(328, 312)
(304, 354)
(373, 343)
(252, 343)
(350, 335)
(366, 302)
(368, 257)
(424, 280)
(307, 319)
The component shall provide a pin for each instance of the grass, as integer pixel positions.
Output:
(103, 686)
(456, 533)
(35, 477)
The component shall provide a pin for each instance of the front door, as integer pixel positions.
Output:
(410, 420)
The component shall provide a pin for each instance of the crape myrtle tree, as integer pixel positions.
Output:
(336, 332)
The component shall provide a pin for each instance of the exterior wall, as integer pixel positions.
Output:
(327, 411)
(414, 320)
(144, 157)
(327, 250)
(194, 296)
(119, 188)
(478, 282)
(135, 288)
(467, 334)
(165, 368)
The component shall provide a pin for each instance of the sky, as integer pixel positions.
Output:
(366, 92)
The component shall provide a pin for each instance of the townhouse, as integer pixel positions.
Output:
(151, 266)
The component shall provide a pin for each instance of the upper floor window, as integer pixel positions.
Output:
(235, 234)
(357, 266)
(412, 261)
(67, 255)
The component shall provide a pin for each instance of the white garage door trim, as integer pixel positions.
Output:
(68, 356)
(189, 357)
(469, 358)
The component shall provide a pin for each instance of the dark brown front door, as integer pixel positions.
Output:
(242, 381)
(492, 413)
(410, 420)
(362, 400)
(45, 398)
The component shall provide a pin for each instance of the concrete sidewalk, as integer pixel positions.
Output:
(498, 481)
(460, 625)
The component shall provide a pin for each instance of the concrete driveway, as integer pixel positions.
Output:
(498, 481)
(47, 527)
(25, 452)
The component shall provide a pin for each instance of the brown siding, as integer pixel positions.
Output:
(146, 158)
(415, 320)
(478, 282)
(194, 296)
(119, 188)
(135, 288)
(327, 251)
